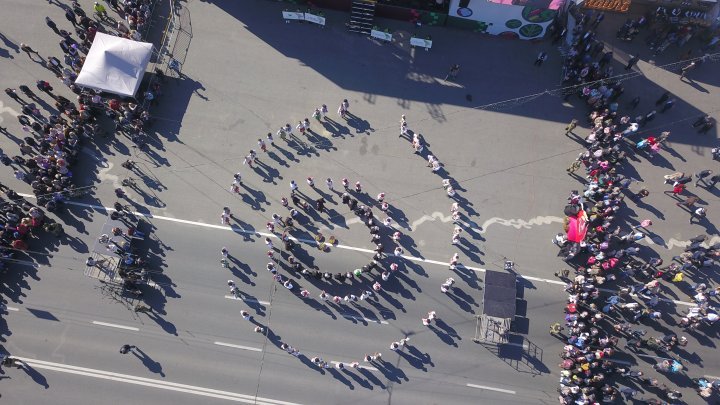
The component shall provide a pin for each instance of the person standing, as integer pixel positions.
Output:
(329, 184)
(686, 69)
(542, 56)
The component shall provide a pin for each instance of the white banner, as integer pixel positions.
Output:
(386, 36)
(425, 43)
(292, 15)
(315, 19)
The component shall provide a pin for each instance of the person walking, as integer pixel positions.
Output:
(699, 213)
(329, 184)
(262, 145)
(570, 127)
(50, 23)
(324, 111)
(542, 57)
(300, 127)
(686, 69)
(688, 202)
(701, 176)
(341, 111)
(668, 104)
(665, 96)
(28, 50)
(713, 180)
(293, 187)
(306, 125)
(632, 62)
(125, 349)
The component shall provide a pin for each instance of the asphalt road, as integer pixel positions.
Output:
(508, 162)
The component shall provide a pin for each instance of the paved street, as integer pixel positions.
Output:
(246, 73)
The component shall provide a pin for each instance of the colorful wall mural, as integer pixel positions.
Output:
(523, 19)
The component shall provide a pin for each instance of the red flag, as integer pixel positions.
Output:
(577, 227)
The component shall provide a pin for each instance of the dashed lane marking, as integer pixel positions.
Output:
(339, 246)
(252, 349)
(113, 325)
(483, 387)
(368, 320)
(153, 383)
(230, 297)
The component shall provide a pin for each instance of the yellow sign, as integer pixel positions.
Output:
(620, 6)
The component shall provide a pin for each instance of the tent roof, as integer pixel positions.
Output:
(115, 65)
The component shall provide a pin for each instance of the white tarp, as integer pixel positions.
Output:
(115, 65)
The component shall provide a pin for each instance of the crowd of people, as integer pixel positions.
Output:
(52, 140)
(613, 289)
(371, 276)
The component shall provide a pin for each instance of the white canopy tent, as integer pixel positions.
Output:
(115, 65)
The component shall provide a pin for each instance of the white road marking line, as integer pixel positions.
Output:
(346, 247)
(230, 297)
(11, 308)
(360, 318)
(149, 382)
(544, 280)
(347, 365)
(112, 325)
(252, 349)
(482, 387)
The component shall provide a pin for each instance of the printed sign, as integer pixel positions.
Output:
(292, 15)
(620, 6)
(425, 43)
(386, 36)
(315, 19)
